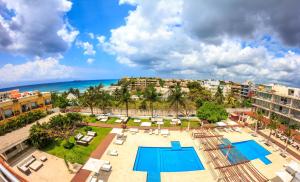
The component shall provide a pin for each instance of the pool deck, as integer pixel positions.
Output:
(83, 174)
(122, 169)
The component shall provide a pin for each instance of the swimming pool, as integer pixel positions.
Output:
(154, 160)
(251, 150)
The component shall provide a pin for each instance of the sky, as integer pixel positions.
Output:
(58, 40)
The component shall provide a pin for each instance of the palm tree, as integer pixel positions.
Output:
(260, 117)
(151, 96)
(176, 98)
(219, 96)
(273, 125)
(123, 96)
(90, 97)
(289, 134)
(105, 100)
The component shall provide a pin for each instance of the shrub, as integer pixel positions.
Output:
(67, 144)
(212, 112)
(92, 115)
(21, 121)
(87, 128)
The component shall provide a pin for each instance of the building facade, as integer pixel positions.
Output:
(279, 100)
(247, 89)
(14, 103)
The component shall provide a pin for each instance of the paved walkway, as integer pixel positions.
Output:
(83, 174)
(105, 125)
(293, 153)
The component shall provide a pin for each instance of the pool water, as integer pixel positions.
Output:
(251, 150)
(154, 160)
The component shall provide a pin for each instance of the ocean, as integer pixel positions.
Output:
(62, 86)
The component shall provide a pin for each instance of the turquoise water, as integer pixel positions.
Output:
(154, 160)
(63, 86)
(251, 150)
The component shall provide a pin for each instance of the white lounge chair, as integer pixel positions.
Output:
(156, 131)
(164, 132)
(136, 120)
(284, 176)
(118, 121)
(296, 178)
(87, 139)
(119, 142)
(112, 152)
(106, 167)
(91, 133)
(134, 130)
(293, 167)
(78, 136)
(104, 119)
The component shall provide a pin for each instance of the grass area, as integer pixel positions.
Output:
(78, 154)
(131, 123)
(90, 119)
(193, 123)
(112, 120)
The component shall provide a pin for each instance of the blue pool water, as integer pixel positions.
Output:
(154, 160)
(251, 150)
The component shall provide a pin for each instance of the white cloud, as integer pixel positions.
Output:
(91, 35)
(157, 38)
(90, 60)
(35, 70)
(87, 47)
(36, 27)
(101, 39)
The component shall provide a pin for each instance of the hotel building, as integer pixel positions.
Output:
(12, 104)
(279, 100)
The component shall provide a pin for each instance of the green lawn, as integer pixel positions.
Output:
(193, 123)
(112, 120)
(78, 154)
(90, 119)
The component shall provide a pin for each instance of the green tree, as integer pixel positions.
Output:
(273, 125)
(151, 96)
(247, 103)
(219, 97)
(59, 101)
(123, 96)
(212, 112)
(74, 91)
(105, 100)
(289, 133)
(161, 82)
(90, 97)
(39, 136)
(176, 98)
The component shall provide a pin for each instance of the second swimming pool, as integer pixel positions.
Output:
(154, 160)
(251, 150)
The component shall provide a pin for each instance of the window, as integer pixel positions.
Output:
(8, 113)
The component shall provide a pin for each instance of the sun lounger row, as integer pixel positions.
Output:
(133, 130)
(283, 138)
(85, 140)
(31, 163)
(102, 118)
(291, 172)
(163, 132)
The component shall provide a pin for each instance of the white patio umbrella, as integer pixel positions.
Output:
(221, 123)
(93, 165)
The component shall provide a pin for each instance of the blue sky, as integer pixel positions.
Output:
(56, 40)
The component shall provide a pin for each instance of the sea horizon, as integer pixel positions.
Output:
(62, 85)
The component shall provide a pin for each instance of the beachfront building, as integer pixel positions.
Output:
(135, 83)
(279, 100)
(247, 89)
(14, 103)
(211, 85)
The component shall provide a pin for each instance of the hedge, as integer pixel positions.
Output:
(21, 121)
